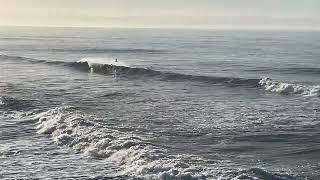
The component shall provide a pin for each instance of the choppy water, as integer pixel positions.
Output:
(178, 104)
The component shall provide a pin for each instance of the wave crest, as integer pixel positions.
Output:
(289, 88)
(121, 69)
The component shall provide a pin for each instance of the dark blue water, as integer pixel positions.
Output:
(178, 104)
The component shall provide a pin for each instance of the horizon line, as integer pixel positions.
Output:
(244, 28)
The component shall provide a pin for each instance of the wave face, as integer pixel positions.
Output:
(133, 154)
(289, 88)
(120, 69)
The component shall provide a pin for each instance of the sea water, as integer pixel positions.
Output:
(178, 104)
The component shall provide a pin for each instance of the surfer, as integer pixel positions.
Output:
(115, 70)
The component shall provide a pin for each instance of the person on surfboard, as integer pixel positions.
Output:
(115, 70)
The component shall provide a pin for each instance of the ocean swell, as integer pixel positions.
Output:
(108, 66)
(21, 58)
(12, 103)
(96, 50)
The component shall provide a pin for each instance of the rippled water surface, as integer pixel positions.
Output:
(177, 104)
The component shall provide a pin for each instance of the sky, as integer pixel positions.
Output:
(229, 14)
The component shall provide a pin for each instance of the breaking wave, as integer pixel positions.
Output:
(110, 67)
(289, 88)
(136, 156)
(121, 69)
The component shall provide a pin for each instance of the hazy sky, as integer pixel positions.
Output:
(297, 14)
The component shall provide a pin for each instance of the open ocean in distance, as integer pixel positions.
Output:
(177, 104)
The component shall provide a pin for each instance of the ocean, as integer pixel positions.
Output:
(176, 104)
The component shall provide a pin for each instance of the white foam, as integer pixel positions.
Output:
(102, 61)
(132, 153)
(289, 88)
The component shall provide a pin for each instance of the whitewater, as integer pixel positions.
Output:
(177, 104)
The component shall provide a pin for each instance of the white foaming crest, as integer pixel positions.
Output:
(133, 154)
(3, 55)
(102, 61)
(289, 88)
